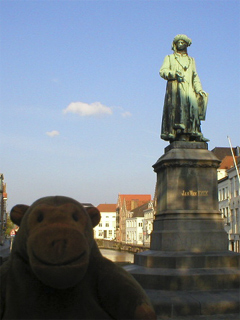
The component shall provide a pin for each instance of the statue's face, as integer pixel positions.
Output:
(181, 45)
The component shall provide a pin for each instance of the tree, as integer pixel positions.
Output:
(9, 226)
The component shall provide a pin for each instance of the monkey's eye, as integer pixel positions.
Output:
(40, 217)
(75, 216)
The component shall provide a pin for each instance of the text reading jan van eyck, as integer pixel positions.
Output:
(192, 193)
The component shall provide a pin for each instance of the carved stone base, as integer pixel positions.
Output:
(188, 270)
(187, 215)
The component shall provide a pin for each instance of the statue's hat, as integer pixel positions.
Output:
(184, 38)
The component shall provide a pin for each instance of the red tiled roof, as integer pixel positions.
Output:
(104, 207)
(227, 162)
(139, 199)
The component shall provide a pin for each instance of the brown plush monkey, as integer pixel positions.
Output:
(55, 270)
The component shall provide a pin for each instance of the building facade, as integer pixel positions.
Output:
(125, 204)
(229, 200)
(139, 225)
(106, 229)
(134, 225)
(149, 214)
(134, 230)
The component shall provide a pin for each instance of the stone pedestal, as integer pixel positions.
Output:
(187, 215)
(188, 270)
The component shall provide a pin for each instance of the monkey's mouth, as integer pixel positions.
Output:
(61, 263)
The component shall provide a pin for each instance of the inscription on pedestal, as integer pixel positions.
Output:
(186, 180)
(192, 193)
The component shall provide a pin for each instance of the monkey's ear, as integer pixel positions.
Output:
(17, 213)
(94, 215)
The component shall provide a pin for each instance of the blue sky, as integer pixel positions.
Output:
(102, 58)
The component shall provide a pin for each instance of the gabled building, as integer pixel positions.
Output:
(106, 229)
(139, 225)
(222, 152)
(229, 197)
(227, 163)
(125, 204)
(149, 214)
(134, 225)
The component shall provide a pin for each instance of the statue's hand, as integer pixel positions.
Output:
(171, 75)
(203, 93)
(179, 76)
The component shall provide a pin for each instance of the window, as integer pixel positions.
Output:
(150, 227)
(110, 233)
(100, 224)
(234, 228)
(227, 215)
(220, 195)
(232, 187)
(237, 229)
(223, 212)
(232, 221)
(100, 233)
(236, 186)
(107, 225)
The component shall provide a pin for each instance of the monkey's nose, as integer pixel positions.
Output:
(59, 246)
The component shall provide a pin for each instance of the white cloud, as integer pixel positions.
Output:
(126, 114)
(84, 109)
(53, 133)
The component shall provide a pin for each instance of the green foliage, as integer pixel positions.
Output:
(9, 227)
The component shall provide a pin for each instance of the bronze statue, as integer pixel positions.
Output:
(185, 101)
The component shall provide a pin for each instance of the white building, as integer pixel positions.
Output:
(134, 230)
(229, 202)
(106, 229)
(139, 225)
(148, 224)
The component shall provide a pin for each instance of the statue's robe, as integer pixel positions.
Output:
(181, 111)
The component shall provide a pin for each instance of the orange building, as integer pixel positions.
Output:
(125, 204)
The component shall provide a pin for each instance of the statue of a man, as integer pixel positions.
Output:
(185, 101)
